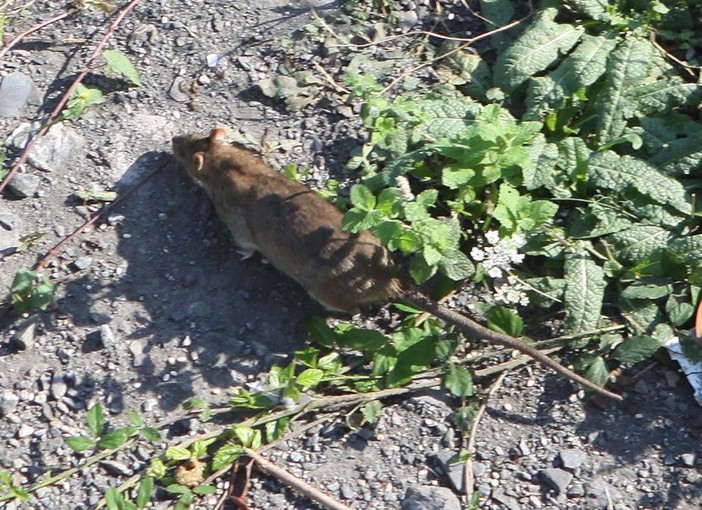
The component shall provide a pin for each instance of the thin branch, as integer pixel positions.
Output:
(333, 84)
(40, 265)
(295, 483)
(469, 479)
(31, 30)
(688, 68)
(64, 99)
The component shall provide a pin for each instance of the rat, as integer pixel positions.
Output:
(301, 235)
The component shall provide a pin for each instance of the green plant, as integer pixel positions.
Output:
(29, 293)
(588, 167)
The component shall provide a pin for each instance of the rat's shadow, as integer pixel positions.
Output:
(189, 313)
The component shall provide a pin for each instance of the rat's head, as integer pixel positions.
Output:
(194, 151)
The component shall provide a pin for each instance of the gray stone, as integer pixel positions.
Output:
(407, 20)
(688, 459)
(106, 335)
(556, 478)
(176, 92)
(572, 459)
(58, 148)
(8, 403)
(137, 350)
(115, 467)
(427, 497)
(347, 491)
(599, 494)
(16, 91)
(81, 263)
(443, 461)
(23, 338)
(23, 185)
(58, 387)
(500, 496)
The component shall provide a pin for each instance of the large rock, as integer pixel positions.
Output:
(428, 497)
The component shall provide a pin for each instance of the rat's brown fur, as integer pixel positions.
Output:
(301, 234)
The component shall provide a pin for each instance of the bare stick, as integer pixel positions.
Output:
(40, 265)
(295, 483)
(29, 31)
(64, 99)
(469, 479)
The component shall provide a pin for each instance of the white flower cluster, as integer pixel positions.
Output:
(498, 258)
(511, 292)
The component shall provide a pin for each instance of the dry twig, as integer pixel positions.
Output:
(295, 483)
(66, 96)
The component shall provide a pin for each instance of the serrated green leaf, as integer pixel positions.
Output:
(178, 453)
(372, 411)
(648, 288)
(464, 68)
(152, 434)
(627, 66)
(362, 197)
(665, 94)
(637, 348)
(116, 438)
(362, 339)
(226, 456)
(679, 157)
(504, 320)
(584, 293)
(535, 49)
(80, 443)
(459, 381)
(640, 242)
(456, 265)
(146, 488)
(688, 248)
(204, 490)
(542, 172)
(447, 118)
(309, 378)
(320, 330)
(597, 371)
(96, 420)
(579, 70)
(419, 270)
(642, 316)
(679, 309)
(611, 171)
(595, 9)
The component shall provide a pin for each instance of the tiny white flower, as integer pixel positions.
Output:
(477, 254)
(495, 272)
(493, 237)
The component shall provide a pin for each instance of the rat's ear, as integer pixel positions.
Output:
(217, 136)
(198, 161)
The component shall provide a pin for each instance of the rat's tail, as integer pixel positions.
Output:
(473, 330)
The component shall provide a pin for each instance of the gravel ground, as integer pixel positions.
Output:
(154, 306)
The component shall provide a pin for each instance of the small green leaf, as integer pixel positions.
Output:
(459, 381)
(146, 488)
(96, 420)
(249, 437)
(372, 411)
(114, 499)
(637, 348)
(204, 490)
(362, 339)
(118, 63)
(157, 468)
(505, 321)
(362, 197)
(320, 330)
(597, 371)
(80, 443)
(176, 488)
(178, 453)
(309, 378)
(226, 456)
(114, 439)
(184, 501)
(152, 434)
